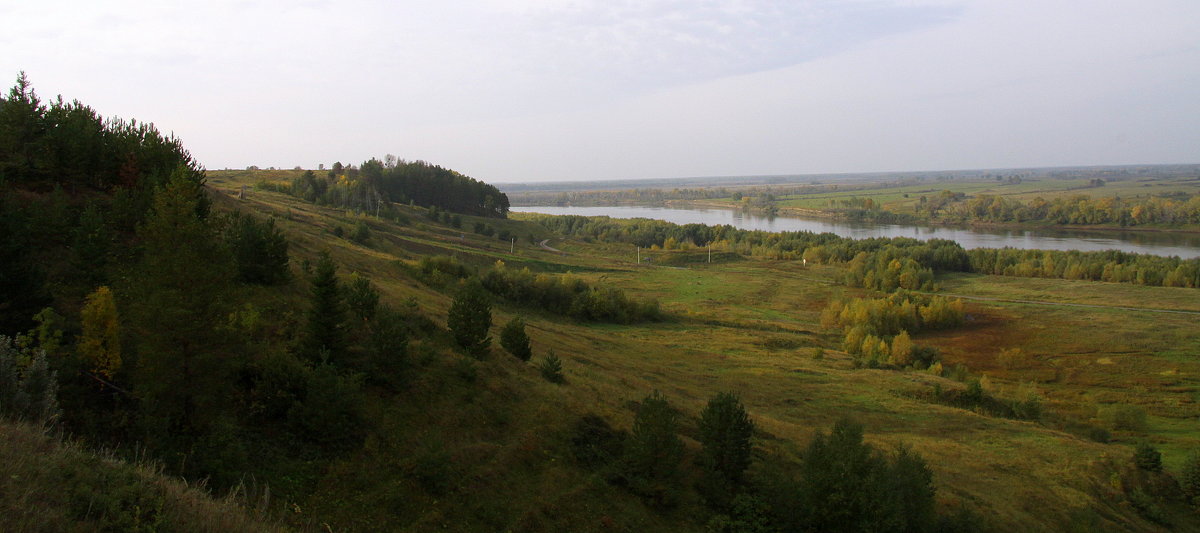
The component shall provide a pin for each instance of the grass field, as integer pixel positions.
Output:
(752, 326)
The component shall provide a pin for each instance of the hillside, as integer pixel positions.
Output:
(47, 485)
(751, 326)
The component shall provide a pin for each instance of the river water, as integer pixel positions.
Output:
(1185, 245)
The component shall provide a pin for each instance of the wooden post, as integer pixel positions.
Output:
(639, 255)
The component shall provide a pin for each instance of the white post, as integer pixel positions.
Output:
(639, 255)
(710, 252)
(512, 246)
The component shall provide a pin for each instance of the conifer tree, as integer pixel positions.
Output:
(655, 450)
(176, 304)
(327, 314)
(514, 340)
(470, 318)
(725, 431)
(361, 297)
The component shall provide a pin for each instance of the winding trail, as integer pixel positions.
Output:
(547, 247)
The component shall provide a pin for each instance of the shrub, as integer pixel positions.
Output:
(1189, 478)
(1146, 457)
(1125, 417)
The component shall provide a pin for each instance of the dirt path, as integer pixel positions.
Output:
(547, 247)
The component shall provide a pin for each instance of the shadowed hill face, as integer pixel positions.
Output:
(62, 487)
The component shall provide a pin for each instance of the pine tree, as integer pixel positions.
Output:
(514, 339)
(551, 368)
(361, 297)
(327, 314)
(100, 345)
(259, 248)
(725, 431)
(654, 450)
(470, 318)
(176, 304)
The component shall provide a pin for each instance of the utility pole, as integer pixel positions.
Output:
(512, 246)
(639, 255)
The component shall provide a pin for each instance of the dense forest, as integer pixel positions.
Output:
(373, 186)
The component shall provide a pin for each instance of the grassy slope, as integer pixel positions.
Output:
(498, 446)
(46, 485)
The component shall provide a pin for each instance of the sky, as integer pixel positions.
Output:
(554, 90)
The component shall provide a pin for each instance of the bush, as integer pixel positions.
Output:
(330, 413)
(1189, 478)
(361, 233)
(594, 443)
(1125, 417)
(1146, 457)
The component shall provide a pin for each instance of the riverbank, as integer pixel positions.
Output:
(826, 214)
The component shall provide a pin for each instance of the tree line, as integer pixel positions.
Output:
(1167, 210)
(375, 185)
(563, 295)
(888, 263)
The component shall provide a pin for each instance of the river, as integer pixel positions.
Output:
(1185, 245)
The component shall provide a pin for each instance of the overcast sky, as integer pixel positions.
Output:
(546, 90)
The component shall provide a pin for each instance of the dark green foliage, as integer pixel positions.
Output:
(22, 285)
(361, 297)
(68, 143)
(259, 249)
(91, 244)
(388, 345)
(1147, 457)
(174, 306)
(845, 485)
(1189, 478)
(325, 332)
(361, 233)
(470, 318)
(31, 395)
(747, 514)
(595, 444)
(514, 340)
(725, 431)
(551, 368)
(654, 450)
(375, 186)
(330, 412)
